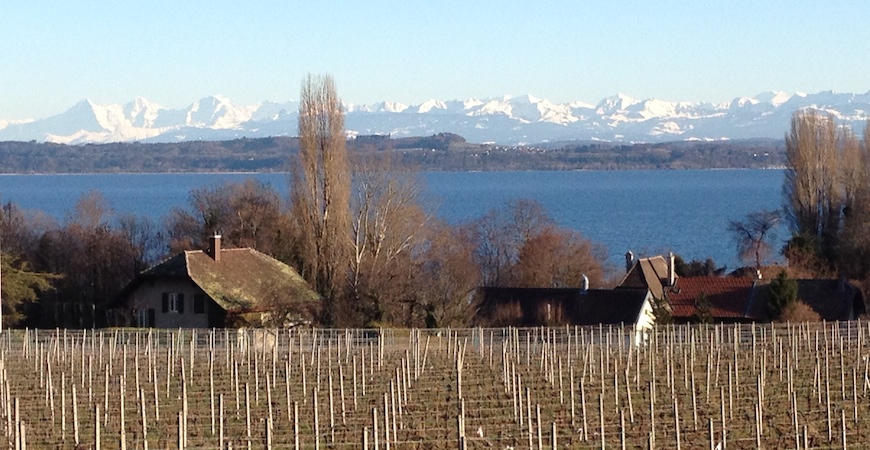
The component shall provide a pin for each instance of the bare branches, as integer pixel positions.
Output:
(320, 190)
(753, 235)
(827, 190)
(520, 246)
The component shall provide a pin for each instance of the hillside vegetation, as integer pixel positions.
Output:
(441, 152)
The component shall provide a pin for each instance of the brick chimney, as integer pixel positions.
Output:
(214, 247)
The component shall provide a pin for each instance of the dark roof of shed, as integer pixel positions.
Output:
(590, 307)
(831, 299)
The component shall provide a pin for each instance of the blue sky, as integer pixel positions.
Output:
(55, 54)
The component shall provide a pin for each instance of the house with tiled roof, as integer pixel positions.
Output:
(217, 288)
(744, 299)
(731, 299)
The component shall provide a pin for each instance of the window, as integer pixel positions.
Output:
(198, 304)
(145, 318)
(173, 303)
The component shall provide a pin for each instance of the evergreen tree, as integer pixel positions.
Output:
(20, 288)
(703, 309)
(783, 292)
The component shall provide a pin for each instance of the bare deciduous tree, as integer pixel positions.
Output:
(521, 246)
(555, 257)
(247, 214)
(320, 191)
(753, 235)
(826, 190)
(449, 278)
(812, 186)
(389, 234)
(500, 234)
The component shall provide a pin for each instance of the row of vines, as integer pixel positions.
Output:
(746, 386)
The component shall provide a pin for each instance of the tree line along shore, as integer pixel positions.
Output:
(440, 152)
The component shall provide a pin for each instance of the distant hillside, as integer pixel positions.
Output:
(440, 152)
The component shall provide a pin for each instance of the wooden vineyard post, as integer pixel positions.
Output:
(529, 416)
(75, 407)
(123, 424)
(331, 407)
(63, 404)
(652, 412)
(622, 428)
(712, 436)
(354, 383)
(677, 422)
(842, 421)
(571, 389)
(97, 426)
(583, 410)
(316, 421)
(144, 421)
(375, 427)
(268, 433)
(386, 422)
(296, 424)
(17, 431)
(601, 417)
(180, 431)
(221, 422)
(211, 389)
(248, 414)
(270, 417)
(553, 443)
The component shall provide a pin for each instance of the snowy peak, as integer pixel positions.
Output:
(217, 112)
(742, 102)
(504, 120)
(652, 108)
(774, 98)
(141, 112)
(616, 103)
(431, 105)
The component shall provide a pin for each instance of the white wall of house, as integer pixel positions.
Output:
(645, 320)
(148, 300)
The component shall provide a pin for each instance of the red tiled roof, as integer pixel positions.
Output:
(730, 298)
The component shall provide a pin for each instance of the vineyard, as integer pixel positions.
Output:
(741, 386)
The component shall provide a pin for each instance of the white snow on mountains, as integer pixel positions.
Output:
(503, 120)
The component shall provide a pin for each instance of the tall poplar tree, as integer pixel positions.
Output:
(320, 192)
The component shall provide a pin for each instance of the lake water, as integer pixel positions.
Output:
(645, 211)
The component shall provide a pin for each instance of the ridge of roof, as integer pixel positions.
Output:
(245, 276)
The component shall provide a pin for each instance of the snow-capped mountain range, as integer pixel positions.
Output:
(505, 120)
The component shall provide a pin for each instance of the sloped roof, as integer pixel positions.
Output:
(590, 307)
(831, 299)
(648, 273)
(242, 279)
(729, 297)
